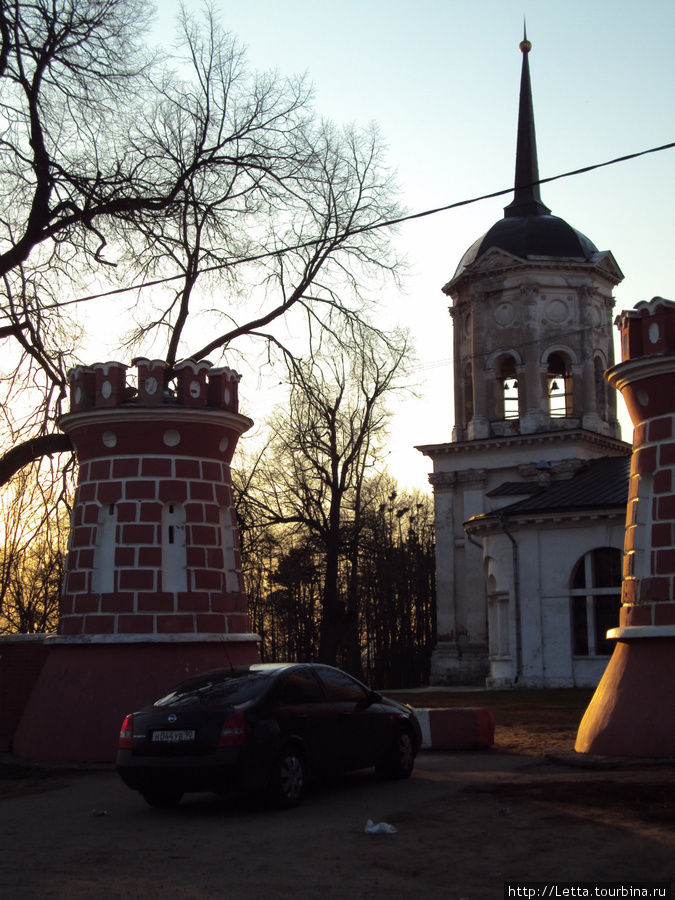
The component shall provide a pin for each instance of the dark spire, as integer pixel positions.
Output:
(526, 199)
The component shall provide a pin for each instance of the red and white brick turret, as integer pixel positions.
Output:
(153, 589)
(633, 711)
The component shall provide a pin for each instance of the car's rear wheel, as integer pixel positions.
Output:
(162, 799)
(400, 759)
(288, 780)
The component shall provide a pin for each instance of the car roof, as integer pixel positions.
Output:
(242, 671)
(262, 667)
(223, 673)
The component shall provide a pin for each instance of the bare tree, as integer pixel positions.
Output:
(323, 447)
(397, 586)
(386, 580)
(196, 175)
(202, 197)
(33, 537)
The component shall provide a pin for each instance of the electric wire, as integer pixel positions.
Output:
(387, 223)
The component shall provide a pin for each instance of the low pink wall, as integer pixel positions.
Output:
(464, 728)
(75, 712)
(21, 659)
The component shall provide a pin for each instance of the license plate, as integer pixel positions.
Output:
(173, 735)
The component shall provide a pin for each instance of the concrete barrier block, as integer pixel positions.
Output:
(466, 728)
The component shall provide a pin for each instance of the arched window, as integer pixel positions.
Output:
(509, 382)
(595, 601)
(559, 387)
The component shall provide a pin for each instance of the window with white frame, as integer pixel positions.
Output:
(595, 601)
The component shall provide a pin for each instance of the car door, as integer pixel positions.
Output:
(364, 727)
(304, 710)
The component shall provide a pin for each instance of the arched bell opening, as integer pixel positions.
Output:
(560, 390)
(508, 379)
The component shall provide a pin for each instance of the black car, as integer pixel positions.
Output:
(269, 727)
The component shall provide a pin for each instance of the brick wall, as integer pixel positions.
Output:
(137, 599)
(154, 548)
(646, 378)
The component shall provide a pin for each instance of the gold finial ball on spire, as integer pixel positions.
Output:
(525, 46)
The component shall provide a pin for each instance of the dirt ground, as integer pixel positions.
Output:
(527, 810)
(532, 723)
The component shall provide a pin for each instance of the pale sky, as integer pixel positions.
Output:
(441, 78)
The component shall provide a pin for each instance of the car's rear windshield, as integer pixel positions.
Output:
(219, 689)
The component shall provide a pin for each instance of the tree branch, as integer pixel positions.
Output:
(31, 451)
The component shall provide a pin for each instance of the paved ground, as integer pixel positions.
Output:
(467, 823)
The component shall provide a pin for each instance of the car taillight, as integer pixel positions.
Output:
(233, 730)
(126, 734)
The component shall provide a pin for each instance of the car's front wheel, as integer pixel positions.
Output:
(288, 780)
(400, 759)
(162, 799)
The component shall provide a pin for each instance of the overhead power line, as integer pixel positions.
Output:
(610, 162)
(388, 223)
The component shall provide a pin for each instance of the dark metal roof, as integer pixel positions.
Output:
(602, 484)
(532, 236)
(514, 488)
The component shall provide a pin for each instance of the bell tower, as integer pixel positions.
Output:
(532, 311)
(532, 314)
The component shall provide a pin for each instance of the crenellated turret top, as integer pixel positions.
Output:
(190, 383)
(648, 329)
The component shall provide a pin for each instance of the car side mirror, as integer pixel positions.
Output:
(370, 698)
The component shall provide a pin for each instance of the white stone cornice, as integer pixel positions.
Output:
(489, 523)
(456, 448)
(631, 632)
(499, 263)
(23, 638)
(108, 415)
(625, 373)
(180, 638)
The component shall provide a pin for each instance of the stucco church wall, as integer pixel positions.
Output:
(560, 551)
(547, 557)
